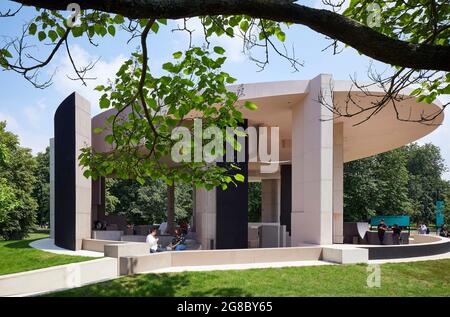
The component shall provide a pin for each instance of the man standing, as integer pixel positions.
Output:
(381, 230)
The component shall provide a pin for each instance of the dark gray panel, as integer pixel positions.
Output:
(65, 160)
(407, 251)
(232, 210)
(286, 196)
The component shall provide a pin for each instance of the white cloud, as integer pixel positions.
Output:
(102, 72)
(35, 114)
(11, 122)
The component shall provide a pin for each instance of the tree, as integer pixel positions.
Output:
(16, 185)
(254, 201)
(144, 204)
(413, 36)
(376, 185)
(41, 191)
(402, 181)
(425, 166)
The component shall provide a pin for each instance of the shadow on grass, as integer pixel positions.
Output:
(19, 244)
(150, 285)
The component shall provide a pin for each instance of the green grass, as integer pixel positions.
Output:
(18, 256)
(430, 278)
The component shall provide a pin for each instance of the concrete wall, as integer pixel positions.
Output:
(312, 166)
(147, 263)
(58, 277)
(205, 207)
(338, 183)
(270, 200)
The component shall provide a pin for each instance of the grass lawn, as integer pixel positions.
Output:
(430, 278)
(18, 256)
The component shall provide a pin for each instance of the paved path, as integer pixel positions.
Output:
(48, 245)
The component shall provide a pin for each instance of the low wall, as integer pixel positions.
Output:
(419, 246)
(98, 245)
(150, 262)
(58, 277)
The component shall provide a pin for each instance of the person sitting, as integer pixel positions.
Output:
(444, 232)
(396, 233)
(178, 242)
(153, 241)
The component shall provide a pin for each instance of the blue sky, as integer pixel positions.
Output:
(29, 111)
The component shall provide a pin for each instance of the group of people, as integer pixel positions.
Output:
(178, 242)
(396, 232)
(423, 229)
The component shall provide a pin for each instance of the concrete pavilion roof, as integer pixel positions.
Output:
(275, 100)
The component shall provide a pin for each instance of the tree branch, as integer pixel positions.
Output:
(331, 24)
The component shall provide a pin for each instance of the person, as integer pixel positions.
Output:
(178, 242)
(396, 233)
(163, 228)
(381, 230)
(152, 240)
(444, 232)
(422, 229)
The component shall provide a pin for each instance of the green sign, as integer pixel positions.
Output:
(439, 213)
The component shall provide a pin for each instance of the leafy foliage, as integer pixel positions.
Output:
(17, 205)
(254, 202)
(142, 137)
(41, 191)
(415, 21)
(147, 203)
(402, 181)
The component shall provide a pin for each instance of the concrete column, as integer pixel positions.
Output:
(52, 188)
(83, 185)
(270, 205)
(338, 183)
(312, 166)
(72, 190)
(205, 218)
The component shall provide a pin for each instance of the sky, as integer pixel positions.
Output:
(29, 111)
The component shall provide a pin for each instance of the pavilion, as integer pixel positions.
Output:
(302, 199)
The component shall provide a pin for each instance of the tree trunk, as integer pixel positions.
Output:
(170, 209)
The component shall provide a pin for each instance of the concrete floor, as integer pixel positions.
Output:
(48, 245)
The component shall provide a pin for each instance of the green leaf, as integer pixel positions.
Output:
(177, 55)
(250, 105)
(104, 103)
(42, 36)
(219, 50)
(281, 36)
(60, 30)
(140, 180)
(52, 35)
(244, 25)
(32, 29)
(239, 177)
(119, 19)
(77, 31)
(112, 30)
(162, 21)
(98, 130)
(100, 88)
(155, 27)
(109, 139)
